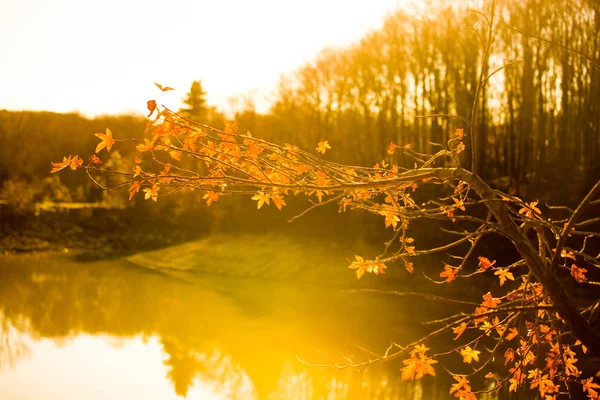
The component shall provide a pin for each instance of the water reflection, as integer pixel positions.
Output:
(224, 338)
(12, 345)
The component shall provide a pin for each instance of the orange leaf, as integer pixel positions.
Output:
(151, 106)
(418, 364)
(278, 201)
(75, 162)
(409, 267)
(391, 148)
(589, 385)
(163, 88)
(485, 263)
(58, 166)
(461, 382)
(94, 158)
(106, 140)
(509, 355)
(147, 146)
(211, 197)
(459, 330)
(578, 273)
(133, 189)
(72, 162)
(449, 273)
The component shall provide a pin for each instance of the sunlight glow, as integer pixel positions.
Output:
(92, 367)
(102, 57)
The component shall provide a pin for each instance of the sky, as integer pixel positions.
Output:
(103, 57)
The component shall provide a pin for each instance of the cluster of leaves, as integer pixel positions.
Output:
(527, 317)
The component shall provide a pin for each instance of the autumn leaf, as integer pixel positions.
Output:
(319, 194)
(58, 166)
(578, 273)
(460, 133)
(485, 263)
(459, 330)
(458, 203)
(469, 354)
(163, 88)
(344, 204)
(302, 168)
(151, 106)
(175, 154)
(211, 197)
(588, 385)
(152, 193)
(72, 162)
(323, 146)
(391, 218)
(391, 148)
(262, 198)
(359, 265)
(147, 146)
(489, 301)
(278, 202)
(409, 267)
(136, 171)
(461, 382)
(106, 140)
(449, 273)
(528, 210)
(504, 274)
(164, 177)
(133, 189)
(509, 355)
(418, 364)
(94, 159)
(460, 148)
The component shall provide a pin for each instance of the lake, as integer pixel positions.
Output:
(199, 322)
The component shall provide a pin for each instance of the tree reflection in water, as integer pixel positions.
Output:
(12, 344)
(240, 337)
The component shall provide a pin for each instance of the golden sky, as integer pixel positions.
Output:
(101, 57)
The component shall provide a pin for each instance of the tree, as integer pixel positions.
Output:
(530, 316)
(195, 101)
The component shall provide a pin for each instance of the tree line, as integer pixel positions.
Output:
(538, 117)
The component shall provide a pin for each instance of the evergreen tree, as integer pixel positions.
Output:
(195, 101)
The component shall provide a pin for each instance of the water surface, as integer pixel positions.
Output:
(115, 329)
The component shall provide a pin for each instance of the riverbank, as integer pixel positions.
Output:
(97, 234)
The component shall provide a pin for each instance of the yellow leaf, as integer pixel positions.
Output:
(106, 140)
(152, 193)
(469, 354)
(504, 274)
(262, 198)
(323, 146)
